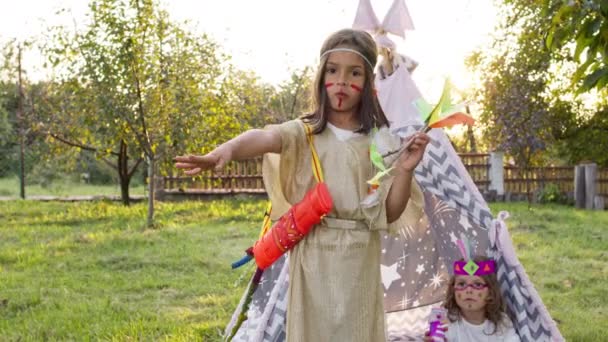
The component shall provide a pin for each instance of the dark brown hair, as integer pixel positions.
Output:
(495, 307)
(369, 111)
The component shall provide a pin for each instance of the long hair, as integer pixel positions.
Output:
(369, 112)
(495, 307)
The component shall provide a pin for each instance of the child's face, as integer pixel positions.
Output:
(471, 292)
(344, 80)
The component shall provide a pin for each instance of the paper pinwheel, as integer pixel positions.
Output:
(445, 113)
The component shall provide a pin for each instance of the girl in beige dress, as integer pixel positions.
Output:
(335, 291)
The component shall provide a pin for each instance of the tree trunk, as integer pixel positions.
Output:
(151, 183)
(470, 134)
(123, 174)
(124, 190)
(529, 192)
(21, 128)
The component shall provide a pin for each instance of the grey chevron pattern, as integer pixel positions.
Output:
(524, 311)
(439, 174)
(407, 325)
(268, 313)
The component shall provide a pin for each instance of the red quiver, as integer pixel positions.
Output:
(293, 226)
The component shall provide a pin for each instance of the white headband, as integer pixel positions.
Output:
(348, 50)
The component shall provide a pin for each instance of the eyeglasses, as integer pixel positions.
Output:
(474, 286)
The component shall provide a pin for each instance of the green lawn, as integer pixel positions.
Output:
(9, 187)
(89, 271)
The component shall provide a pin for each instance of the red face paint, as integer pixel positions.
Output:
(340, 102)
(359, 89)
(328, 84)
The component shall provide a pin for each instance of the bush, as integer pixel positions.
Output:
(551, 193)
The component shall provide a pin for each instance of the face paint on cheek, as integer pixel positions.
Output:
(328, 85)
(357, 88)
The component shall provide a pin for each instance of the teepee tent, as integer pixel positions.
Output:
(415, 262)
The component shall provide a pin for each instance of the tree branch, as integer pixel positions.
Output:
(77, 144)
(134, 168)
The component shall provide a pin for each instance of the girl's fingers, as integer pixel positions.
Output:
(198, 159)
(182, 159)
(184, 165)
(419, 142)
(194, 171)
(417, 139)
(191, 159)
(192, 162)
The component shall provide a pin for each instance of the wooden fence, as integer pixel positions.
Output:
(478, 165)
(245, 177)
(522, 181)
(602, 182)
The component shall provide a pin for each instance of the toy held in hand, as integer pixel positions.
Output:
(436, 320)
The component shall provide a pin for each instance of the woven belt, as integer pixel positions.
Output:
(332, 222)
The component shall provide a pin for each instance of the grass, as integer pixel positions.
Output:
(565, 254)
(9, 187)
(85, 271)
(90, 271)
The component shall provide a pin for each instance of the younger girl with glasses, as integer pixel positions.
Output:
(474, 304)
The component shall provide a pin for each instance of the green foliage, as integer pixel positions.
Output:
(529, 108)
(551, 193)
(132, 85)
(586, 139)
(583, 23)
(294, 97)
(515, 75)
(17, 97)
(7, 129)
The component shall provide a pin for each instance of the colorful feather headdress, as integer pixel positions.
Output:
(468, 266)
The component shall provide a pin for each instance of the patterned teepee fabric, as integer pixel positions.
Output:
(454, 206)
(529, 315)
(268, 310)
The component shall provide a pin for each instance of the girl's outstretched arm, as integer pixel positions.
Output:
(399, 194)
(252, 143)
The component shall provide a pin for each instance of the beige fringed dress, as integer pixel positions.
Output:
(335, 290)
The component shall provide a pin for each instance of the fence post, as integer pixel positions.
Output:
(579, 186)
(496, 173)
(590, 179)
(599, 203)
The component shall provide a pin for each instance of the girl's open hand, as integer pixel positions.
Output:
(410, 158)
(194, 165)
